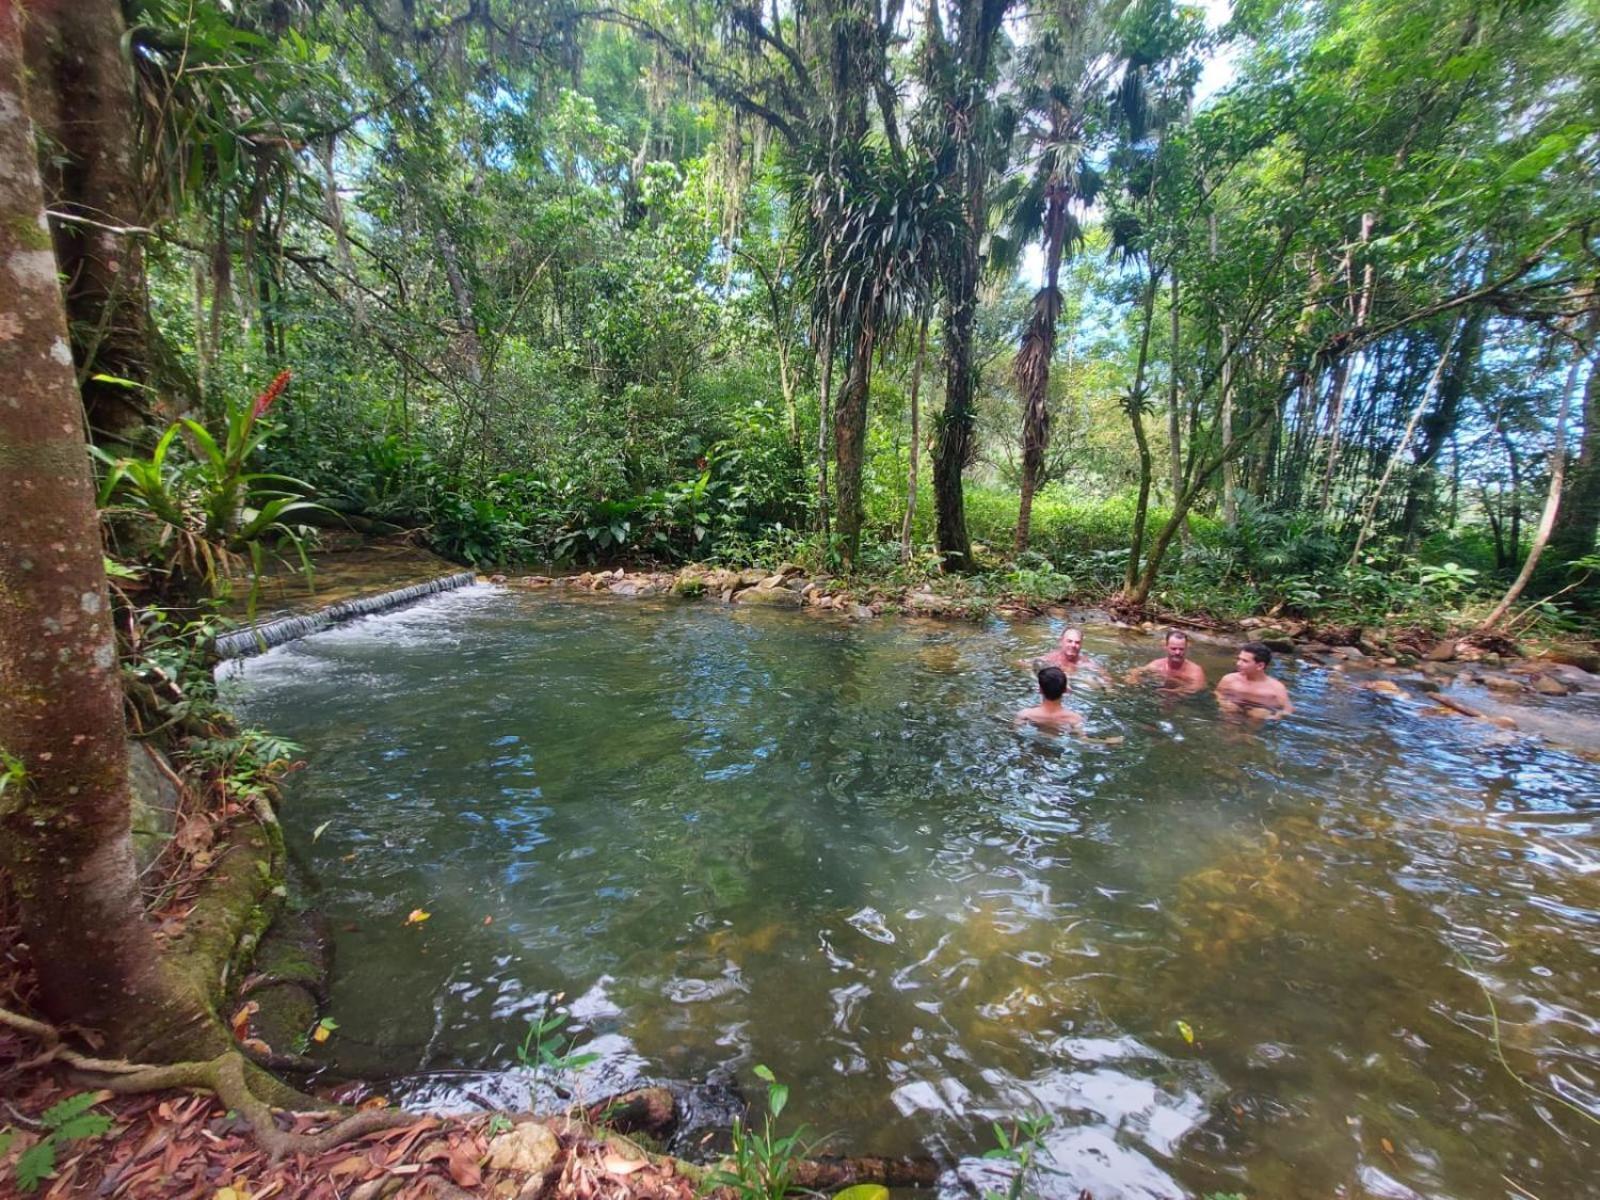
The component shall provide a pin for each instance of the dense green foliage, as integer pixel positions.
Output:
(569, 286)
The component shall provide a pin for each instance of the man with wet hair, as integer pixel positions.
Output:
(1174, 670)
(1250, 691)
(1050, 713)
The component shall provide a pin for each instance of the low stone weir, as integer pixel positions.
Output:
(254, 639)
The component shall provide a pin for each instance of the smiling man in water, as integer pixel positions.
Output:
(1175, 671)
(1250, 690)
(1068, 656)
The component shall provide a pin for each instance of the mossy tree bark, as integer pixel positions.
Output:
(64, 813)
(81, 98)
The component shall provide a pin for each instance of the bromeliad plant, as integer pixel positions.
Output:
(208, 508)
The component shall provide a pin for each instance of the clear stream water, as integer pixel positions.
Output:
(731, 837)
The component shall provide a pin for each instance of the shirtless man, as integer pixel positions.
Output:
(1175, 671)
(1068, 655)
(1050, 713)
(1250, 691)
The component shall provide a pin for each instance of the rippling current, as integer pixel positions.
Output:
(730, 837)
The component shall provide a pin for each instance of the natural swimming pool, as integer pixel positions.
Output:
(732, 837)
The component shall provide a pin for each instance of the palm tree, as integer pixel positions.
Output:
(870, 228)
(1065, 70)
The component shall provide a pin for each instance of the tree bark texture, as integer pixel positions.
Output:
(954, 446)
(916, 444)
(849, 446)
(976, 27)
(65, 810)
(82, 100)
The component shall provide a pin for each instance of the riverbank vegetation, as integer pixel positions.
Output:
(1289, 308)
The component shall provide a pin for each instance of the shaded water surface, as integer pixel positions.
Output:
(740, 837)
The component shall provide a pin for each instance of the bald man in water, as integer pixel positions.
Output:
(1068, 656)
(1174, 670)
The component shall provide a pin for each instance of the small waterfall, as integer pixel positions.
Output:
(254, 639)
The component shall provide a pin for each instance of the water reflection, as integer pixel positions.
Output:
(731, 838)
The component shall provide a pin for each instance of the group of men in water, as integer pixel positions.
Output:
(1247, 690)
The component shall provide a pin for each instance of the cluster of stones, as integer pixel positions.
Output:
(787, 587)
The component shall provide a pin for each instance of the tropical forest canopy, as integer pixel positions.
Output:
(1293, 304)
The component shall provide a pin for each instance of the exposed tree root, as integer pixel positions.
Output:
(229, 1076)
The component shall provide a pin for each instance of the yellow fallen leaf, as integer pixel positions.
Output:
(417, 917)
(228, 1193)
(1188, 1033)
(1388, 1146)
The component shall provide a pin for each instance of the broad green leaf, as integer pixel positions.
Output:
(863, 1191)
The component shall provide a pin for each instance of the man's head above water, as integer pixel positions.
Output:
(1177, 642)
(1071, 645)
(1052, 683)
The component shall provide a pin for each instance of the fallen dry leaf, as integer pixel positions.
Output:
(464, 1168)
(417, 917)
(241, 1020)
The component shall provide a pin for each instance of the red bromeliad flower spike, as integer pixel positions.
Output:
(274, 390)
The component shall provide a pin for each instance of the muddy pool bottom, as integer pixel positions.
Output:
(1220, 958)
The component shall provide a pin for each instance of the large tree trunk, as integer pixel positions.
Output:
(977, 27)
(916, 444)
(849, 447)
(82, 94)
(1032, 368)
(1136, 418)
(1579, 518)
(65, 807)
(954, 446)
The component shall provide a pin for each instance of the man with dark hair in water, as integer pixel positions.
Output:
(1050, 713)
(1250, 691)
(1175, 671)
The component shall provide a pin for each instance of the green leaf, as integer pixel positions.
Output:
(86, 1126)
(37, 1163)
(72, 1106)
(764, 1072)
(118, 381)
(777, 1098)
(863, 1191)
(7, 1136)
